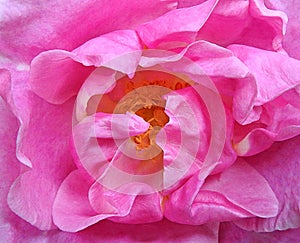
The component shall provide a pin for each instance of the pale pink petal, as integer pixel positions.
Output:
(185, 109)
(28, 28)
(244, 22)
(290, 40)
(238, 192)
(47, 129)
(96, 138)
(230, 233)
(57, 75)
(280, 166)
(267, 68)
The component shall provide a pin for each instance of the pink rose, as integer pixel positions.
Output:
(127, 121)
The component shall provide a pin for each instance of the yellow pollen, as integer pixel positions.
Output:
(155, 116)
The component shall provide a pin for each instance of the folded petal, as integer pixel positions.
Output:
(185, 109)
(267, 68)
(71, 209)
(129, 208)
(57, 75)
(9, 168)
(280, 166)
(170, 28)
(215, 60)
(279, 121)
(97, 138)
(290, 40)
(39, 143)
(238, 192)
(221, 22)
(245, 22)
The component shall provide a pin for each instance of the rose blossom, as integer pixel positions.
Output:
(220, 119)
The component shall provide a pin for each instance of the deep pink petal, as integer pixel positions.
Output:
(230, 233)
(163, 231)
(238, 192)
(40, 26)
(290, 40)
(280, 165)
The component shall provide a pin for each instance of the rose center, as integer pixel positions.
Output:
(156, 117)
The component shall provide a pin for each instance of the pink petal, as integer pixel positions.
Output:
(10, 168)
(189, 3)
(47, 129)
(71, 209)
(163, 231)
(5, 84)
(80, 202)
(245, 22)
(215, 60)
(111, 130)
(290, 40)
(58, 75)
(12, 227)
(229, 233)
(279, 121)
(40, 26)
(280, 166)
(267, 68)
(99, 51)
(130, 209)
(238, 192)
(169, 28)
